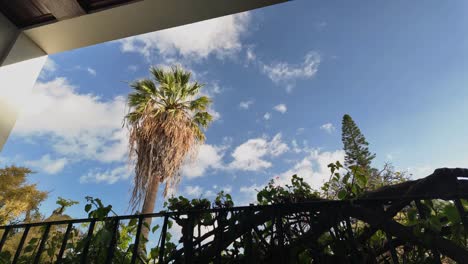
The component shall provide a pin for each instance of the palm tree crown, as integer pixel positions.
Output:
(166, 121)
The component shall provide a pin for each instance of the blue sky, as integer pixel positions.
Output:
(281, 79)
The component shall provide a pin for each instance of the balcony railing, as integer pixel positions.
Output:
(318, 231)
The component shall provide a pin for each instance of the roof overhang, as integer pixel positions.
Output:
(134, 18)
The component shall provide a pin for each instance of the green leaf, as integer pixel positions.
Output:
(88, 207)
(412, 215)
(342, 194)
(155, 228)
(452, 214)
(361, 180)
(435, 223)
(132, 222)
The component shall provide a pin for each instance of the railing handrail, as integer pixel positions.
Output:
(291, 206)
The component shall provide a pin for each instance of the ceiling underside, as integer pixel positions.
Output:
(30, 13)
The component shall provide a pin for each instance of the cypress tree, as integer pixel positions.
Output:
(355, 145)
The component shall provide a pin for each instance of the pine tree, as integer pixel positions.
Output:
(355, 146)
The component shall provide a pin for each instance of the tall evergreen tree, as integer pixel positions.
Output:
(355, 145)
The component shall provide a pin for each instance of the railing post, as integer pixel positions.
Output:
(136, 245)
(219, 237)
(4, 237)
(280, 231)
(188, 239)
(111, 249)
(163, 240)
(41, 246)
(248, 241)
(63, 247)
(392, 248)
(84, 257)
(20, 246)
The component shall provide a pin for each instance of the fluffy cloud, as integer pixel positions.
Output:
(208, 157)
(328, 127)
(267, 116)
(48, 165)
(284, 72)
(250, 156)
(81, 126)
(249, 194)
(313, 169)
(220, 37)
(246, 104)
(281, 108)
(108, 176)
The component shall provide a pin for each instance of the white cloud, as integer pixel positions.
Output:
(91, 71)
(220, 37)
(110, 176)
(313, 168)
(249, 193)
(132, 68)
(246, 104)
(48, 165)
(226, 189)
(281, 108)
(194, 191)
(328, 127)
(284, 72)
(208, 157)
(267, 116)
(250, 156)
(48, 69)
(250, 54)
(80, 126)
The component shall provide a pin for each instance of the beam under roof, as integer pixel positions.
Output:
(133, 19)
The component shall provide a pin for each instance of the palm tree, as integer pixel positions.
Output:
(166, 120)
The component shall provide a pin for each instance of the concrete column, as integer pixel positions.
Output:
(21, 61)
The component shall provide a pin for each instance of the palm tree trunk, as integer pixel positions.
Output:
(148, 208)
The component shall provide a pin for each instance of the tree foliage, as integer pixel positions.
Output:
(355, 145)
(18, 198)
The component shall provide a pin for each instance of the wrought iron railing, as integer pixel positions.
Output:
(318, 231)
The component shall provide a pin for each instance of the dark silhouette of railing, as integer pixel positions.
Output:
(271, 233)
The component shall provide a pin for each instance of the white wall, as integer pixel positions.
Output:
(16, 79)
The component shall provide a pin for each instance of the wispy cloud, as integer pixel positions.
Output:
(91, 71)
(246, 104)
(48, 164)
(328, 127)
(281, 108)
(110, 176)
(267, 116)
(286, 73)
